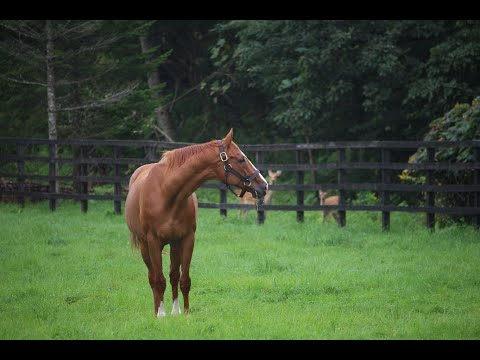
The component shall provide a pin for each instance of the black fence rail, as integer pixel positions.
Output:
(119, 158)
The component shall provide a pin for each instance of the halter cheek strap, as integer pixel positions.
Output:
(247, 180)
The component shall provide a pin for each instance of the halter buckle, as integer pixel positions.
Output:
(223, 156)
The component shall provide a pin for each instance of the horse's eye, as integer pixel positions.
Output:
(242, 160)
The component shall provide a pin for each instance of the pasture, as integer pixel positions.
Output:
(73, 275)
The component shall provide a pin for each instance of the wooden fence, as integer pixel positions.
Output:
(14, 156)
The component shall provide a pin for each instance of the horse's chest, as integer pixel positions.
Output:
(169, 229)
(173, 231)
(170, 223)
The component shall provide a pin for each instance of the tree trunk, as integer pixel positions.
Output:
(78, 128)
(162, 114)
(52, 112)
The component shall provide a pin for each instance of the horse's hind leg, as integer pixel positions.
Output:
(186, 258)
(175, 276)
(155, 274)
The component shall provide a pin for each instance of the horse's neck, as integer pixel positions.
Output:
(182, 181)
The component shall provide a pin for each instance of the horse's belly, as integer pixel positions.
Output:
(170, 224)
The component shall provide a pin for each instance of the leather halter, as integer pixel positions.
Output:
(247, 180)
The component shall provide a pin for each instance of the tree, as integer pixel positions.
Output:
(70, 60)
(449, 72)
(353, 79)
(162, 113)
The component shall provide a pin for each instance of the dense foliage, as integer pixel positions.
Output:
(460, 123)
(273, 80)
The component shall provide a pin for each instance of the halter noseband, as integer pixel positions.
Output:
(247, 180)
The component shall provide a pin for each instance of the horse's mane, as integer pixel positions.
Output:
(177, 157)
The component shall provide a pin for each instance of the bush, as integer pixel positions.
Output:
(459, 124)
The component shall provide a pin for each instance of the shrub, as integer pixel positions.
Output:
(459, 124)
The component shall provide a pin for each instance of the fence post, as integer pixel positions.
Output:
(260, 210)
(385, 194)
(430, 194)
(52, 173)
(476, 181)
(21, 174)
(83, 182)
(223, 200)
(300, 181)
(342, 193)
(76, 168)
(117, 203)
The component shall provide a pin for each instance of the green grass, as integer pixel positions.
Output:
(68, 275)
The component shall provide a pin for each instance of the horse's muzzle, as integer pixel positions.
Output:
(259, 191)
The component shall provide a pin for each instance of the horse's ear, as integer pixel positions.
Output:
(228, 138)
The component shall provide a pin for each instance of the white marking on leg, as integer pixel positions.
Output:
(161, 311)
(176, 307)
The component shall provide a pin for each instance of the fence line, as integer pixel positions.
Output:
(17, 155)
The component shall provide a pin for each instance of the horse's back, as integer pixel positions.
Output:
(140, 174)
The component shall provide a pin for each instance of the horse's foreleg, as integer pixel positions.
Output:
(175, 276)
(155, 276)
(186, 258)
(148, 262)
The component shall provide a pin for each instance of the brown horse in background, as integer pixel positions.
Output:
(161, 207)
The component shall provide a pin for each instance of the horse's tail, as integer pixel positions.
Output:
(134, 243)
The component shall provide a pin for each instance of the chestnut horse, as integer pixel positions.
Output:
(161, 207)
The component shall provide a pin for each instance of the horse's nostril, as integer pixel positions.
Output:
(264, 190)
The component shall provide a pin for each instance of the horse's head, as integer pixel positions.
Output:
(239, 171)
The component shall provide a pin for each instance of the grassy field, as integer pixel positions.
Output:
(67, 275)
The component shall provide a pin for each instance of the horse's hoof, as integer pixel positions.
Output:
(176, 308)
(161, 311)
